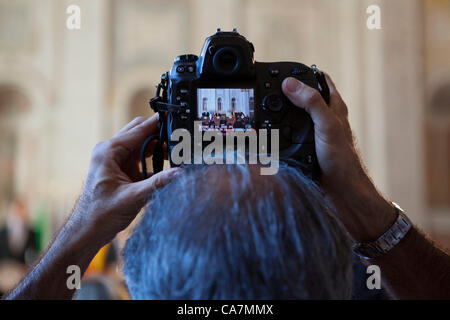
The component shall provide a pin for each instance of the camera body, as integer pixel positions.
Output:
(226, 89)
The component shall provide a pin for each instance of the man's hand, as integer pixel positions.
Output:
(415, 268)
(114, 191)
(362, 209)
(113, 195)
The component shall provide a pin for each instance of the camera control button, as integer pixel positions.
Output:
(267, 85)
(266, 125)
(273, 102)
(180, 69)
(186, 58)
(190, 69)
(274, 72)
(297, 71)
(183, 91)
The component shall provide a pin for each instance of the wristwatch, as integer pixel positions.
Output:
(388, 240)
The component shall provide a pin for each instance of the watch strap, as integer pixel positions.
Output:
(386, 241)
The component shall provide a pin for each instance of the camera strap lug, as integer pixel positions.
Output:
(159, 105)
(159, 102)
(323, 86)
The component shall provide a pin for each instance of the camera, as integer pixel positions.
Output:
(224, 89)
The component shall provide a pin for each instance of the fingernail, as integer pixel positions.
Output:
(176, 172)
(292, 85)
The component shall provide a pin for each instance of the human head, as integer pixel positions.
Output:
(226, 232)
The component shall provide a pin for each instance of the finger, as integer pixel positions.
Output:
(135, 155)
(310, 100)
(336, 102)
(166, 152)
(143, 189)
(135, 137)
(131, 169)
(130, 125)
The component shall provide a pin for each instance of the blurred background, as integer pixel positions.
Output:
(62, 91)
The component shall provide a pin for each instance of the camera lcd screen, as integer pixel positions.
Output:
(226, 109)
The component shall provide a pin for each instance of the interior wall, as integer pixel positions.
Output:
(81, 82)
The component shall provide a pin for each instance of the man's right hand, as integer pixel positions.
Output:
(363, 211)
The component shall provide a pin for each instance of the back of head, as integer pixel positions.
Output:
(226, 232)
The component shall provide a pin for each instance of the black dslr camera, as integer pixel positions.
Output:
(227, 90)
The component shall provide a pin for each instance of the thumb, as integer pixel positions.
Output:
(308, 98)
(143, 189)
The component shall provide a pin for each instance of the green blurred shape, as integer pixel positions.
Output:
(42, 226)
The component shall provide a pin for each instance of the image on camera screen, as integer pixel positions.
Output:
(226, 109)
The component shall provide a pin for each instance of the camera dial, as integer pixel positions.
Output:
(273, 102)
(186, 58)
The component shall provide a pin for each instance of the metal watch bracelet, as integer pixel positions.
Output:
(388, 240)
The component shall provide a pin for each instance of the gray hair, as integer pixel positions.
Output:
(226, 232)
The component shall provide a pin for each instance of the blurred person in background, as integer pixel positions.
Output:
(17, 237)
(18, 245)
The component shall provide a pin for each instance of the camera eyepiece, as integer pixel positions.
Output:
(226, 61)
